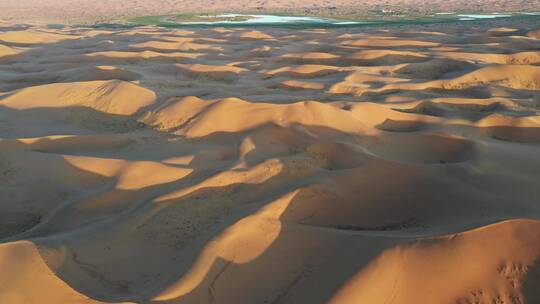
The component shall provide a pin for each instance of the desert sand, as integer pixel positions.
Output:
(231, 165)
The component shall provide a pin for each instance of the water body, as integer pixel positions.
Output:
(253, 20)
(243, 19)
(465, 17)
(266, 19)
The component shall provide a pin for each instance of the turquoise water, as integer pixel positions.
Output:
(319, 22)
(260, 19)
(263, 19)
(465, 17)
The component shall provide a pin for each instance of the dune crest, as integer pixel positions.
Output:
(30, 270)
(505, 268)
(114, 97)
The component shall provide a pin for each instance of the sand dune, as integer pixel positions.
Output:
(517, 58)
(114, 97)
(7, 51)
(513, 76)
(32, 37)
(310, 57)
(301, 85)
(304, 71)
(510, 76)
(255, 35)
(176, 46)
(29, 269)
(114, 56)
(534, 34)
(229, 165)
(395, 280)
(385, 57)
(390, 42)
(224, 72)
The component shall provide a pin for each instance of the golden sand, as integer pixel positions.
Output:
(150, 165)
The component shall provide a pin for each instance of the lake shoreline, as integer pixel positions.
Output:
(322, 22)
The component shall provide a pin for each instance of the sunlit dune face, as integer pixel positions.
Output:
(241, 243)
(450, 269)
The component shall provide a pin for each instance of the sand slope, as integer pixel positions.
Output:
(113, 97)
(22, 266)
(151, 165)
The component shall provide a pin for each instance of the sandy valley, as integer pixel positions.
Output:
(269, 165)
